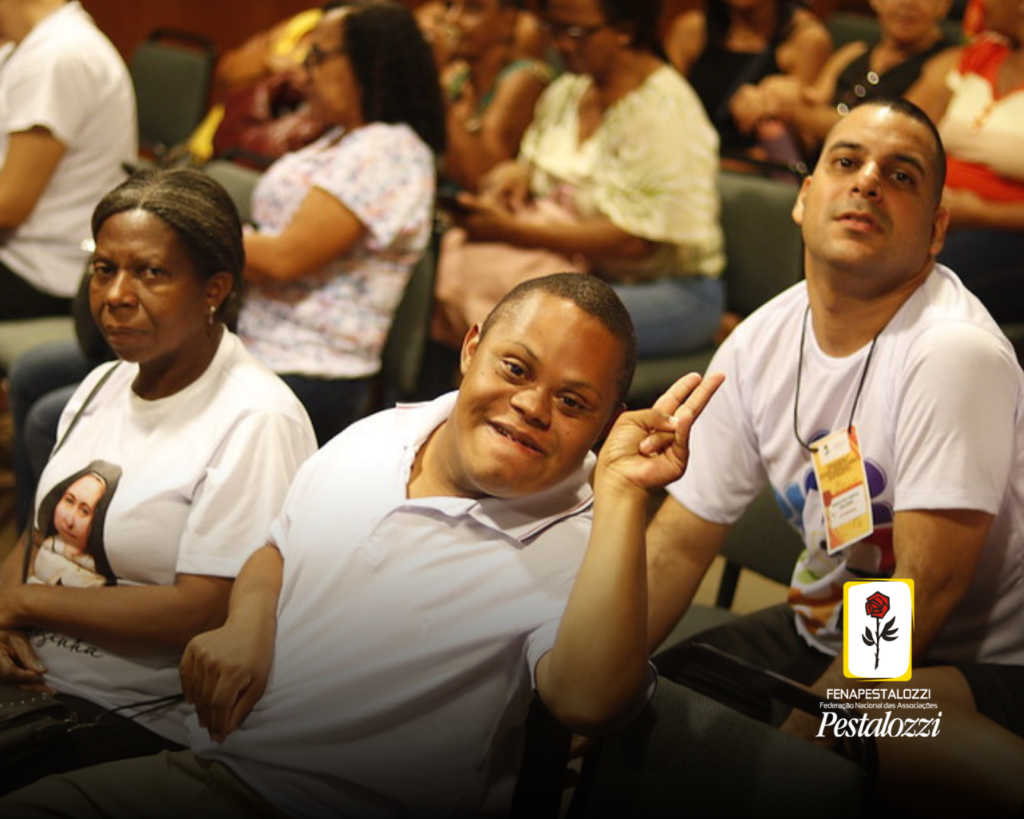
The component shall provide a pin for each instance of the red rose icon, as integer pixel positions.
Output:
(877, 605)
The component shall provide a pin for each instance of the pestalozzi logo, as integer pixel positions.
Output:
(878, 624)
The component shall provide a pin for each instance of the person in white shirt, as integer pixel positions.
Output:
(67, 126)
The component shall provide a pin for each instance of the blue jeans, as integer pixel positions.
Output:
(674, 316)
(41, 383)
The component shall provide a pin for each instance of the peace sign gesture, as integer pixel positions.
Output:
(648, 449)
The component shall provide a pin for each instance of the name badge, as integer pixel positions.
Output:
(843, 483)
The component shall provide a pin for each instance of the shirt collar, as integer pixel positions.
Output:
(520, 518)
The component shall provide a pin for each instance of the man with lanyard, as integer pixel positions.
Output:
(883, 360)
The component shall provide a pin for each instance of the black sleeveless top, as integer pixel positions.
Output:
(858, 82)
(715, 77)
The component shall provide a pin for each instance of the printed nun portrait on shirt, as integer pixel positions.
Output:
(70, 521)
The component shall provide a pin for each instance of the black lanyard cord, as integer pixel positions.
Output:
(799, 374)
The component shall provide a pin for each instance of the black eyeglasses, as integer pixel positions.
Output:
(577, 34)
(316, 56)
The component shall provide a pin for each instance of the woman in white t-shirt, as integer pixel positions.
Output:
(169, 467)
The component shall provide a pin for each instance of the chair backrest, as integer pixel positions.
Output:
(762, 243)
(689, 755)
(239, 182)
(402, 358)
(762, 541)
(171, 72)
(849, 27)
(18, 337)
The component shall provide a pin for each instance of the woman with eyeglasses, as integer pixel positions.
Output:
(615, 176)
(341, 223)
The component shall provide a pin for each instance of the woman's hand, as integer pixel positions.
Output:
(19, 664)
(747, 106)
(224, 673)
(506, 187)
(780, 96)
(482, 221)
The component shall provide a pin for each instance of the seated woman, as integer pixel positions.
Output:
(170, 466)
(911, 41)
(342, 222)
(976, 95)
(727, 51)
(620, 163)
(490, 93)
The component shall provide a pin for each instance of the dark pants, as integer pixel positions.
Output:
(20, 300)
(162, 786)
(766, 638)
(114, 738)
(332, 403)
(991, 264)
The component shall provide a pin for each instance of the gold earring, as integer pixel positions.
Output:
(211, 314)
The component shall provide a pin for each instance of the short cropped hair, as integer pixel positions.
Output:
(395, 69)
(591, 295)
(908, 109)
(200, 212)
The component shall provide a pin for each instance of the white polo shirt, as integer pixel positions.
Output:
(408, 631)
(65, 76)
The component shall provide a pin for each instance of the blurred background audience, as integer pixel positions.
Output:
(490, 89)
(67, 125)
(911, 38)
(728, 49)
(977, 98)
(615, 177)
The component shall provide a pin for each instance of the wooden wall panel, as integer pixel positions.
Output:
(226, 22)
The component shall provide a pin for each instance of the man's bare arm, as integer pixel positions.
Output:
(680, 548)
(224, 672)
(597, 669)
